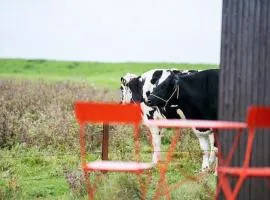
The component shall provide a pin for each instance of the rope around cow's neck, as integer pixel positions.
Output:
(167, 101)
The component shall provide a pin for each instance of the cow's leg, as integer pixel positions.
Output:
(213, 149)
(216, 166)
(213, 152)
(204, 144)
(155, 131)
(156, 142)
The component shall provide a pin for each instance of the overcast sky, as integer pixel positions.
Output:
(112, 30)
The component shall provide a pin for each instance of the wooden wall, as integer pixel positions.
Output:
(245, 80)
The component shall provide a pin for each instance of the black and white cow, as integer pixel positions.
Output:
(196, 95)
(138, 88)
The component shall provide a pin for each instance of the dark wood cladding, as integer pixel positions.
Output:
(245, 80)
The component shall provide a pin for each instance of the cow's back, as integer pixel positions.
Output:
(199, 94)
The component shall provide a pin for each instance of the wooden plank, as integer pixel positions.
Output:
(243, 85)
(245, 80)
(105, 142)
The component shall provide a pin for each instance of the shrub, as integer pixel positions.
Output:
(41, 113)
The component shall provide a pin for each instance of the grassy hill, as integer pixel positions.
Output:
(100, 74)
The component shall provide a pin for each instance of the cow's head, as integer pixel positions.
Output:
(131, 88)
(125, 93)
(138, 88)
(164, 92)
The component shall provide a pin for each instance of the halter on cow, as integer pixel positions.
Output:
(138, 88)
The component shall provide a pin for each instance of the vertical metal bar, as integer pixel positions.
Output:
(105, 142)
(136, 141)
(82, 146)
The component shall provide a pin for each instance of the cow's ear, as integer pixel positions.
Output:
(123, 80)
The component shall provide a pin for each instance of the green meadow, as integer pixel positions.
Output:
(97, 73)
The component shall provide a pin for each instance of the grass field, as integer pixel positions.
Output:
(99, 74)
(39, 147)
